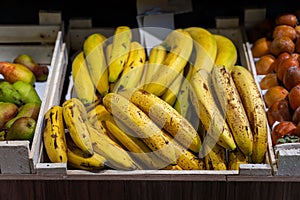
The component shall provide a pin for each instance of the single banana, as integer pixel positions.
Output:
(235, 158)
(54, 138)
(170, 95)
(108, 49)
(93, 48)
(133, 68)
(156, 57)
(216, 158)
(129, 114)
(117, 158)
(234, 110)
(211, 117)
(205, 46)
(165, 116)
(185, 158)
(119, 52)
(79, 160)
(75, 116)
(83, 84)
(181, 46)
(255, 109)
(226, 52)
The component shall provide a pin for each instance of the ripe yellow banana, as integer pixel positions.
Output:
(117, 158)
(212, 119)
(205, 46)
(235, 158)
(181, 46)
(141, 124)
(234, 110)
(83, 84)
(136, 147)
(54, 135)
(170, 95)
(156, 57)
(226, 52)
(119, 52)
(133, 69)
(165, 116)
(254, 106)
(93, 48)
(75, 116)
(108, 49)
(79, 160)
(216, 158)
(185, 158)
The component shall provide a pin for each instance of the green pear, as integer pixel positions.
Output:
(27, 91)
(22, 129)
(31, 109)
(41, 72)
(7, 112)
(9, 94)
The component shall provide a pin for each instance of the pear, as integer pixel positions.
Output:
(27, 91)
(31, 109)
(9, 94)
(22, 129)
(13, 72)
(7, 111)
(41, 72)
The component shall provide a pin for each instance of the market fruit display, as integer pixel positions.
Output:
(279, 80)
(179, 108)
(20, 102)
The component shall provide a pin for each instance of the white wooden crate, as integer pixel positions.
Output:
(76, 36)
(45, 44)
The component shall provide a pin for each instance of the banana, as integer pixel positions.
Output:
(216, 158)
(137, 149)
(117, 158)
(129, 114)
(226, 52)
(235, 158)
(211, 117)
(181, 46)
(83, 84)
(156, 57)
(54, 135)
(205, 46)
(108, 52)
(93, 48)
(170, 95)
(183, 103)
(172, 167)
(254, 106)
(234, 110)
(9, 94)
(75, 117)
(119, 52)
(79, 160)
(133, 68)
(186, 159)
(165, 116)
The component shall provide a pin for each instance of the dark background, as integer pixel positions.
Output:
(119, 12)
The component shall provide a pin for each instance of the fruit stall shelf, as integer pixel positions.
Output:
(75, 38)
(44, 42)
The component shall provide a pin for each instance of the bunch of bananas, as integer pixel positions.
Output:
(187, 105)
